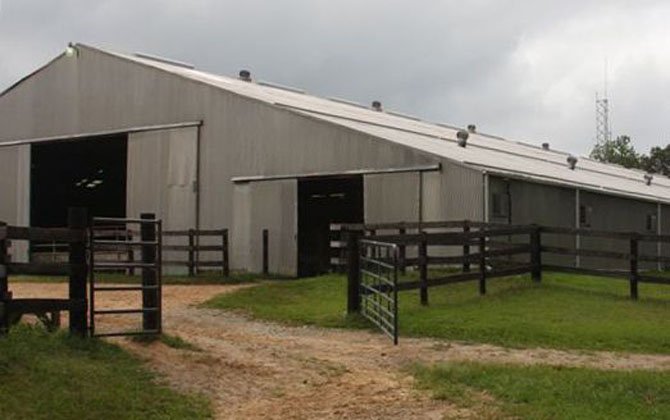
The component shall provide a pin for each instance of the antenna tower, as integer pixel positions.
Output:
(603, 130)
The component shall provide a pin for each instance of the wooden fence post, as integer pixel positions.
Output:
(466, 247)
(150, 299)
(482, 263)
(634, 275)
(4, 287)
(423, 270)
(191, 252)
(266, 245)
(77, 219)
(353, 271)
(225, 261)
(402, 253)
(536, 254)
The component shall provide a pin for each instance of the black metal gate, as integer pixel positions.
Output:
(379, 285)
(118, 247)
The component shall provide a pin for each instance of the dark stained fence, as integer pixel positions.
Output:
(198, 242)
(443, 253)
(47, 310)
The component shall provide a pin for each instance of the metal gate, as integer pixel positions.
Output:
(379, 285)
(118, 247)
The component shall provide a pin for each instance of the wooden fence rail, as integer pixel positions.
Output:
(194, 248)
(75, 235)
(495, 250)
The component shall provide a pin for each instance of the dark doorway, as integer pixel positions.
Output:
(321, 202)
(87, 173)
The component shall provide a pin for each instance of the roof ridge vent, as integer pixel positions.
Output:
(346, 102)
(164, 60)
(244, 75)
(281, 87)
(572, 162)
(648, 178)
(462, 136)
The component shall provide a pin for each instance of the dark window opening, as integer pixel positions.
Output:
(321, 202)
(87, 173)
(651, 223)
(585, 216)
(500, 205)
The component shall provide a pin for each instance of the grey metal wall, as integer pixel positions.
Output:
(15, 199)
(391, 197)
(620, 214)
(97, 92)
(455, 193)
(270, 205)
(531, 203)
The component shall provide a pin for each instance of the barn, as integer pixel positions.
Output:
(129, 133)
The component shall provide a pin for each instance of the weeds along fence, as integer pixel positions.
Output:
(434, 254)
(75, 267)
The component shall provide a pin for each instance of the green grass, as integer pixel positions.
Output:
(542, 392)
(54, 376)
(210, 277)
(564, 311)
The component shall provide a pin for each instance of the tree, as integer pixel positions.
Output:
(658, 161)
(619, 151)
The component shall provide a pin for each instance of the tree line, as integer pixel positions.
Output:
(622, 152)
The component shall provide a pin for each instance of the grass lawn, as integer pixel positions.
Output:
(564, 311)
(54, 376)
(541, 392)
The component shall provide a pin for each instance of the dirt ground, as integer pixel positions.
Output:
(252, 369)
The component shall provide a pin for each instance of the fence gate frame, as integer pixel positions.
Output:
(378, 285)
(150, 246)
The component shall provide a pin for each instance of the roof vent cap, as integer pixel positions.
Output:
(245, 75)
(462, 137)
(545, 146)
(572, 162)
(472, 128)
(648, 178)
(377, 106)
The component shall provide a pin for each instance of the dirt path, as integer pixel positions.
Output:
(253, 369)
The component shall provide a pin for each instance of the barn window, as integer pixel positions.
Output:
(651, 222)
(585, 216)
(500, 205)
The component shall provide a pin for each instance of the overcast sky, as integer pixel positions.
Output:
(528, 70)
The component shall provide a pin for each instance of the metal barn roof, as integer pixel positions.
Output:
(490, 153)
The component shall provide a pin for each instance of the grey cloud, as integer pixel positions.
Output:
(501, 65)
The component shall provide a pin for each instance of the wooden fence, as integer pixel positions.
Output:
(499, 251)
(48, 310)
(195, 247)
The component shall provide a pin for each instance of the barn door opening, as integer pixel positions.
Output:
(87, 173)
(322, 201)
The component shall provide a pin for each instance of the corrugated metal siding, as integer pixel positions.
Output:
(453, 194)
(392, 197)
(8, 175)
(273, 206)
(612, 213)
(161, 173)
(548, 206)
